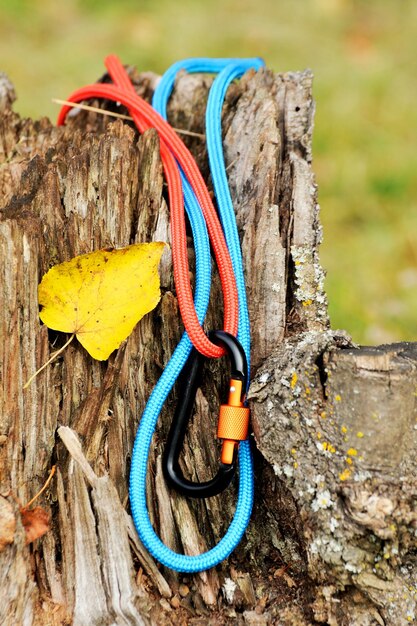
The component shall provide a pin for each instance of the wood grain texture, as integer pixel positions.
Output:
(319, 548)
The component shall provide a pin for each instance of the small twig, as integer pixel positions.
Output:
(54, 355)
(48, 480)
(87, 107)
(232, 164)
(190, 133)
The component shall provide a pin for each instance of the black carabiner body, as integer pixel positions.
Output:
(189, 383)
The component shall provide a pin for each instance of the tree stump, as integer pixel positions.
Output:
(333, 533)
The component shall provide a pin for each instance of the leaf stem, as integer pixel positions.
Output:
(54, 355)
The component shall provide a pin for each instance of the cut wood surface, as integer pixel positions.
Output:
(333, 534)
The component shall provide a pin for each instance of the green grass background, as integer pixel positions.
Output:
(363, 55)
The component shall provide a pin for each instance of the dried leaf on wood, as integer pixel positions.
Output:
(35, 522)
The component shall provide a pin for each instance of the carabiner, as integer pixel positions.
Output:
(233, 420)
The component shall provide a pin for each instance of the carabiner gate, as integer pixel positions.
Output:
(232, 426)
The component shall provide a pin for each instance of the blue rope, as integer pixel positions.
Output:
(193, 66)
(229, 70)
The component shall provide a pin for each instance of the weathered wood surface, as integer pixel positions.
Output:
(333, 535)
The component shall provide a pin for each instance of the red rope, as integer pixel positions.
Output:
(171, 146)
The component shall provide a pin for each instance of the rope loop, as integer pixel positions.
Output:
(186, 187)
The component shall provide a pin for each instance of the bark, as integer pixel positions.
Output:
(333, 534)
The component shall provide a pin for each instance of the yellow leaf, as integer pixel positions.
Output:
(101, 296)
